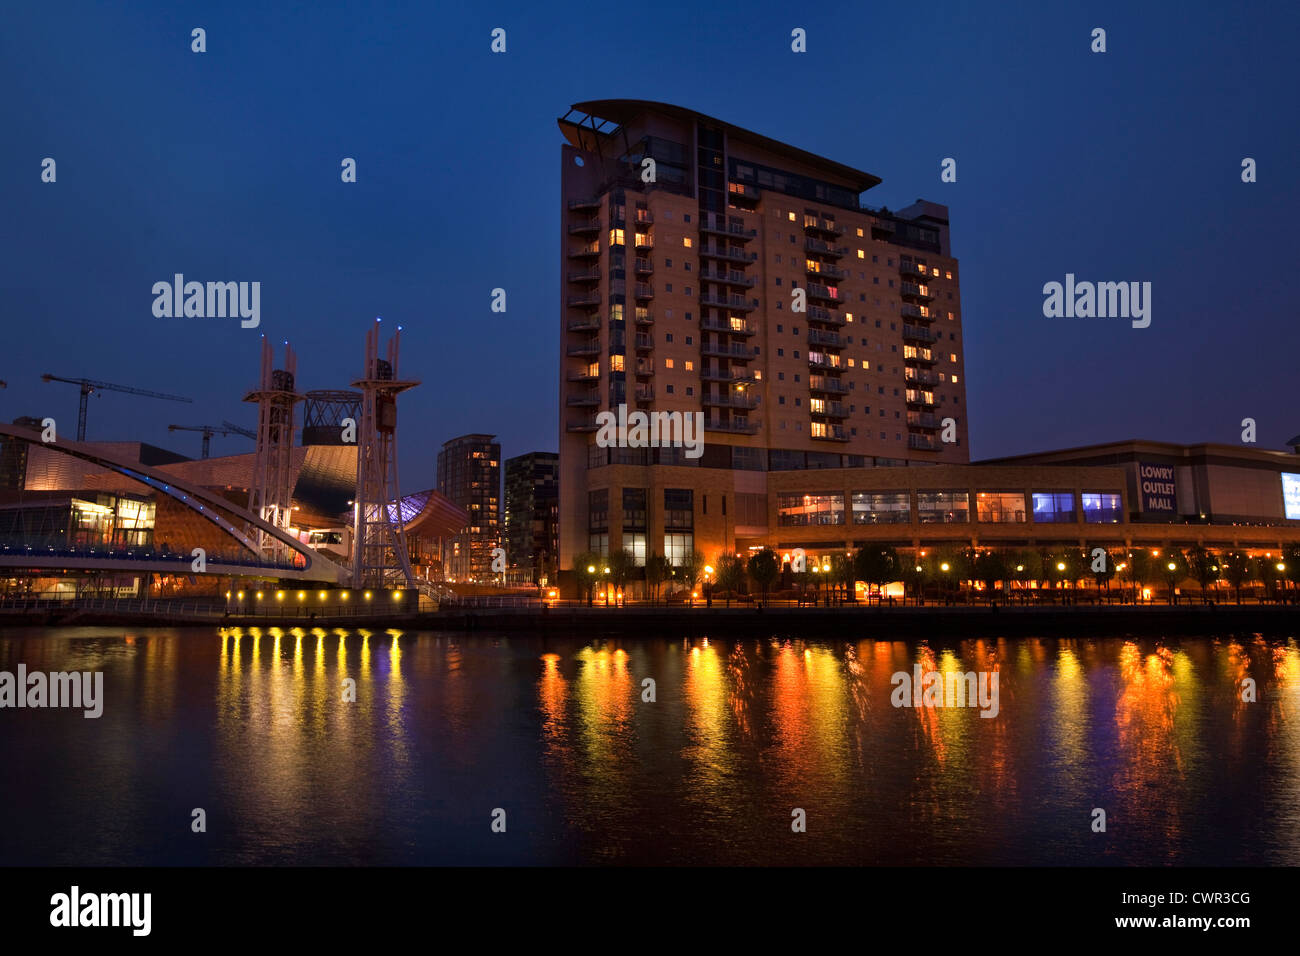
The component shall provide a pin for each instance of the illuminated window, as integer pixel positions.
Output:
(1101, 508)
(936, 270)
(616, 363)
(686, 241)
(861, 254)
(887, 507)
(616, 237)
(848, 316)
(952, 356)
(794, 510)
(792, 216)
(948, 275)
(954, 379)
(859, 251)
(690, 366)
(1054, 507)
(668, 363)
(1000, 507)
(942, 507)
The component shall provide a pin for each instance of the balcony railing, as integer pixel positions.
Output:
(644, 266)
(824, 226)
(739, 303)
(726, 327)
(922, 420)
(817, 360)
(585, 349)
(645, 317)
(818, 337)
(884, 225)
(825, 294)
(644, 217)
(917, 397)
(825, 316)
(644, 291)
(592, 203)
(644, 368)
(730, 278)
(727, 253)
(833, 386)
(587, 424)
(581, 301)
(589, 226)
(586, 252)
(917, 377)
(914, 291)
(586, 375)
(732, 375)
(825, 249)
(743, 191)
(644, 342)
(922, 442)
(729, 229)
(911, 311)
(919, 334)
(645, 393)
(829, 410)
(728, 351)
(822, 269)
(739, 401)
(737, 426)
(587, 400)
(830, 433)
(586, 275)
(909, 268)
(589, 324)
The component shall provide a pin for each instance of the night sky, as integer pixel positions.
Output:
(225, 166)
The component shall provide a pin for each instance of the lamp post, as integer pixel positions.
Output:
(708, 586)
(591, 584)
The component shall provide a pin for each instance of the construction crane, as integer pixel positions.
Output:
(225, 428)
(89, 385)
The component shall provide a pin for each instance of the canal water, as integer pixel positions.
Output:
(554, 740)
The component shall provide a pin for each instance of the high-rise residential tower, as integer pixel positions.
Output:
(532, 525)
(710, 269)
(469, 473)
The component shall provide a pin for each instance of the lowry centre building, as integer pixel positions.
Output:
(711, 271)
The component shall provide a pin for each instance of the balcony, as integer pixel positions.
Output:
(918, 397)
(828, 362)
(645, 393)
(825, 249)
(591, 251)
(589, 227)
(644, 241)
(736, 426)
(917, 377)
(743, 192)
(913, 291)
(586, 400)
(733, 278)
(730, 375)
(909, 268)
(825, 316)
(586, 375)
(830, 433)
(922, 356)
(832, 386)
(644, 368)
(736, 302)
(731, 230)
(583, 301)
(922, 442)
(827, 272)
(643, 266)
(828, 410)
(910, 311)
(590, 324)
(586, 275)
(733, 327)
(580, 204)
(644, 217)
(587, 424)
(823, 227)
(922, 420)
(728, 254)
(645, 317)
(644, 342)
(825, 294)
(644, 291)
(885, 226)
(585, 350)
(738, 400)
(738, 352)
(818, 337)
(918, 334)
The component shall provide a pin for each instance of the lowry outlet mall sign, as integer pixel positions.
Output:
(1158, 489)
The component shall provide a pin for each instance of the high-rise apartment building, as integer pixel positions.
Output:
(532, 522)
(710, 269)
(469, 473)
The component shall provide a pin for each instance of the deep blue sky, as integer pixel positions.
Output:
(225, 166)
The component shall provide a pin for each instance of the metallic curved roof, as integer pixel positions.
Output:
(623, 112)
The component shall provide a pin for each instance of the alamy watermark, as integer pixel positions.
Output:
(212, 300)
(1102, 300)
(651, 430)
(83, 689)
(947, 689)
